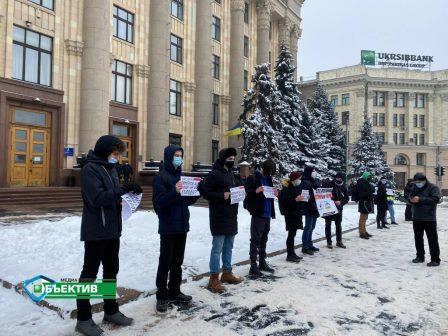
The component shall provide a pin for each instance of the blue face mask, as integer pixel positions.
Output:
(420, 184)
(177, 161)
(112, 159)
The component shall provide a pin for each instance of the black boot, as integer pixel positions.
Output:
(385, 227)
(254, 270)
(162, 306)
(181, 298)
(341, 245)
(265, 267)
(293, 258)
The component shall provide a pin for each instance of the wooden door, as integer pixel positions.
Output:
(18, 162)
(38, 158)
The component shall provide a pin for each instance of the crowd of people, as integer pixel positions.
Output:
(101, 221)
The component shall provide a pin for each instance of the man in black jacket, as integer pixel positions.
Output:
(364, 195)
(223, 218)
(381, 204)
(340, 198)
(101, 227)
(424, 198)
(262, 210)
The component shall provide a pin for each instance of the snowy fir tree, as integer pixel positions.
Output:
(333, 149)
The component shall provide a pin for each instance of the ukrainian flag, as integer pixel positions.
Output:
(235, 130)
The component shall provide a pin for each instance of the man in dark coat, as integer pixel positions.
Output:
(310, 211)
(381, 204)
(173, 213)
(101, 227)
(364, 195)
(406, 194)
(223, 218)
(290, 203)
(340, 198)
(262, 210)
(424, 198)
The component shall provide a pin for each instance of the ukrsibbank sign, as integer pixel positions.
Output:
(370, 57)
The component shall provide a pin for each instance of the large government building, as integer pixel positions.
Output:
(152, 72)
(408, 109)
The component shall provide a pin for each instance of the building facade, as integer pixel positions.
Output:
(152, 72)
(408, 109)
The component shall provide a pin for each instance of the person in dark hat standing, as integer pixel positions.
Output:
(424, 198)
(101, 227)
(381, 204)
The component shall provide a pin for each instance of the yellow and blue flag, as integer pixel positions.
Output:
(235, 130)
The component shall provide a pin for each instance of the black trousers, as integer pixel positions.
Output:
(259, 230)
(381, 215)
(290, 241)
(338, 223)
(433, 241)
(172, 250)
(95, 253)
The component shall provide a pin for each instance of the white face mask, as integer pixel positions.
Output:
(296, 183)
(314, 174)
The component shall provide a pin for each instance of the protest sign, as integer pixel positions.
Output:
(237, 194)
(189, 186)
(269, 192)
(325, 205)
(129, 205)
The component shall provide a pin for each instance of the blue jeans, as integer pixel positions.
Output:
(307, 235)
(222, 246)
(390, 208)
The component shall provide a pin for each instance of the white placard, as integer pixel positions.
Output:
(237, 194)
(189, 186)
(306, 195)
(390, 192)
(129, 204)
(325, 205)
(269, 192)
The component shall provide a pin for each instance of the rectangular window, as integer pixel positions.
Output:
(177, 9)
(402, 138)
(334, 100)
(44, 3)
(175, 139)
(215, 109)
(399, 99)
(246, 12)
(215, 150)
(246, 80)
(175, 98)
(422, 139)
(345, 118)
(32, 56)
(395, 120)
(246, 46)
(395, 138)
(415, 120)
(415, 139)
(122, 82)
(380, 136)
(421, 120)
(420, 100)
(216, 28)
(123, 24)
(345, 98)
(420, 158)
(381, 119)
(375, 119)
(176, 48)
(216, 66)
(379, 98)
(401, 120)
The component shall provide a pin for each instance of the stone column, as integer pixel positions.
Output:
(96, 73)
(204, 84)
(389, 115)
(284, 26)
(263, 25)
(410, 112)
(189, 125)
(429, 125)
(236, 64)
(296, 32)
(158, 89)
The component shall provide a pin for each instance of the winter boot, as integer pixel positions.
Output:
(118, 319)
(88, 328)
(265, 267)
(433, 264)
(385, 227)
(230, 278)
(330, 245)
(254, 270)
(394, 223)
(364, 236)
(293, 258)
(418, 260)
(369, 235)
(308, 251)
(181, 298)
(162, 306)
(341, 245)
(214, 285)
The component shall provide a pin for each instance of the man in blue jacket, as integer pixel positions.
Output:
(174, 216)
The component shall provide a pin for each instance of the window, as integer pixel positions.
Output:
(175, 139)
(175, 98)
(246, 12)
(216, 65)
(399, 99)
(400, 160)
(401, 120)
(395, 120)
(420, 100)
(215, 109)
(421, 120)
(378, 98)
(380, 136)
(375, 119)
(415, 139)
(421, 139)
(415, 120)
(402, 138)
(44, 3)
(381, 119)
(122, 82)
(420, 158)
(215, 149)
(123, 24)
(176, 49)
(334, 100)
(246, 80)
(396, 138)
(31, 56)
(177, 9)
(216, 28)
(345, 98)
(246, 46)
(345, 118)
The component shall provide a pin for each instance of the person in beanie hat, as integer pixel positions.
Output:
(223, 218)
(290, 203)
(101, 227)
(262, 210)
(364, 195)
(340, 198)
(424, 198)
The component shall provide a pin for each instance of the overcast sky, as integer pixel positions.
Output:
(335, 31)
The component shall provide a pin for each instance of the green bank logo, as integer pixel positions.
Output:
(367, 57)
(41, 287)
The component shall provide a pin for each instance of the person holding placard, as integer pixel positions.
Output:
(172, 209)
(381, 204)
(260, 205)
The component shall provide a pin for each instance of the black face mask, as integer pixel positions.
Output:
(229, 164)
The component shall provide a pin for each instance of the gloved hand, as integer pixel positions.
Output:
(132, 187)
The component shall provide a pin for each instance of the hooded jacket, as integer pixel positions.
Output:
(381, 195)
(223, 215)
(425, 209)
(287, 200)
(170, 206)
(309, 183)
(365, 196)
(254, 202)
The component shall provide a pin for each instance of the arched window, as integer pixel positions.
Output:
(400, 160)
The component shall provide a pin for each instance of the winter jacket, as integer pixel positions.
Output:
(101, 195)
(365, 196)
(381, 196)
(170, 206)
(309, 183)
(223, 215)
(254, 202)
(425, 209)
(287, 200)
(339, 193)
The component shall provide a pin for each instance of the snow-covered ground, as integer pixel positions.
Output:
(369, 289)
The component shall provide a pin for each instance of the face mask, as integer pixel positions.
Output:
(420, 184)
(339, 182)
(112, 159)
(229, 164)
(296, 183)
(177, 161)
(314, 174)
